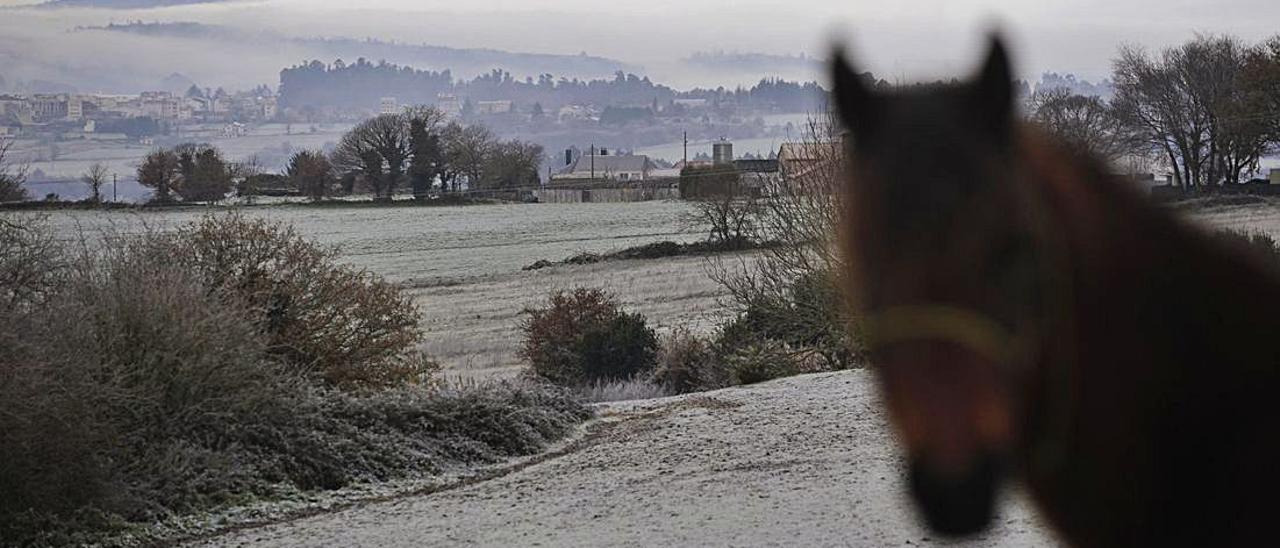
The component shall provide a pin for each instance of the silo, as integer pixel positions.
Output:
(722, 152)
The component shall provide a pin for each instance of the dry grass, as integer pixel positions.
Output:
(473, 329)
(626, 390)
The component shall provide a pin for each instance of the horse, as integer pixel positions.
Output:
(1032, 318)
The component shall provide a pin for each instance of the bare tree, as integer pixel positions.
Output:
(789, 289)
(511, 164)
(311, 172)
(96, 178)
(378, 150)
(1087, 124)
(798, 215)
(159, 172)
(12, 175)
(465, 151)
(247, 176)
(206, 175)
(1195, 105)
(729, 218)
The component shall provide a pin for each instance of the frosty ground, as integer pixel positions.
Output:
(463, 264)
(800, 461)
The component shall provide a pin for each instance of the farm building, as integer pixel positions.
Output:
(798, 159)
(628, 167)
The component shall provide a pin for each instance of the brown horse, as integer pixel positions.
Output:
(1031, 316)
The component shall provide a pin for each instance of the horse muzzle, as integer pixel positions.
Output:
(957, 505)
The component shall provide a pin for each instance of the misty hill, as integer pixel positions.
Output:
(124, 4)
(362, 84)
(760, 62)
(466, 61)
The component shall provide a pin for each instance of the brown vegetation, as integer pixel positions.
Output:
(143, 381)
(583, 336)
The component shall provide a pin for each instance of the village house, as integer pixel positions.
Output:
(604, 166)
(493, 107)
(796, 160)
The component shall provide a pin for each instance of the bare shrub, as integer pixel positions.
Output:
(788, 296)
(30, 262)
(122, 389)
(583, 335)
(348, 326)
(806, 316)
(689, 363)
(137, 391)
(95, 178)
(722, 204)
(12, 175)
(1260, 244)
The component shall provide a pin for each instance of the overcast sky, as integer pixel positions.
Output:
(898, 40)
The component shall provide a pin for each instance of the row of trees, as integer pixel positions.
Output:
(417, 148)
(1209, 109)
(191, 172)
(362, 83)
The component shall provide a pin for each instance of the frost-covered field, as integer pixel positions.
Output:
(1263, 217)
(463, 264)
(417, 245)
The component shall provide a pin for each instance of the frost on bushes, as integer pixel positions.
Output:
(132, 390)
(770, 359)
(689, 363)
(806, 318)
(120, 395)
(348, 326)
(777, 334)
(583, 336)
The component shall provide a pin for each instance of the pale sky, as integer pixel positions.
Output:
(899, 41)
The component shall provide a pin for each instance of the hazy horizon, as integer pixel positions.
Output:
(922, 40)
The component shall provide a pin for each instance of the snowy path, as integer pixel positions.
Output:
(805, 461)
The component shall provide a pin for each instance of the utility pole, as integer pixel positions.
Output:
(686, 149)
(593, 161)
(114, 194)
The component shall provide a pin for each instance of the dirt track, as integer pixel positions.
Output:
(805, 461)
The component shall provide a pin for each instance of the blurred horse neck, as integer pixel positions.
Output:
(1160, 363)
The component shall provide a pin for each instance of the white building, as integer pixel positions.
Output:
(388, 105)
(493, 107)
(449, 105)
(75, 108)
(270, 108)
(605, 167)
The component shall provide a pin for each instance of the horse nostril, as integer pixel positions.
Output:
(957, 506)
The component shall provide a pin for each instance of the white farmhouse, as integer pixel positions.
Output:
(604, 167)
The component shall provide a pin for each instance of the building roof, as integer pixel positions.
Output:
(605, 165)
(808, 151)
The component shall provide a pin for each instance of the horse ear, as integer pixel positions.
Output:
(854, 100)
(995, 87)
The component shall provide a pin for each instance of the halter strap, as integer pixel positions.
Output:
(937, 322)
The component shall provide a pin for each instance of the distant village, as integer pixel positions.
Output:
(68, 116)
